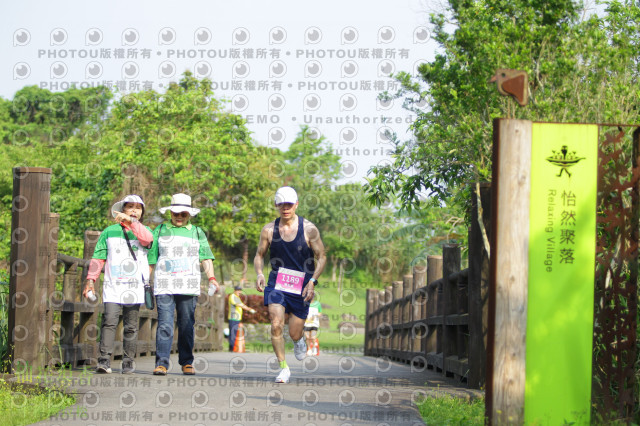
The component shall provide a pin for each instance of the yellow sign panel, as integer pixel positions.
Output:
(562, 244)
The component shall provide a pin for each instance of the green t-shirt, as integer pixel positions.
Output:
(122, 274)
(177, 253)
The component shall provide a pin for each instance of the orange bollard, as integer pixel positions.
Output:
(238, 346)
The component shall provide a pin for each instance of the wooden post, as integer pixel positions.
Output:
(88, 333)
(219, 314)
(451, 265)
(396, 315)
(67, 317)
(462, 330)
(509, 271)
(417, 303)
(434, 273)
(54, 228)
(90, 241)
(70, 283)
(388, 317)
(379, 321)
(405, 334)
(407, 289)
(29, 267)
(368, 321)
(478, 289)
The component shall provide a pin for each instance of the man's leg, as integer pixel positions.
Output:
(233, 331)
(296, 327)
(276, 313)
(164, 333)
(186, 310)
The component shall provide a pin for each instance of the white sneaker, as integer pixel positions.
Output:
(300, 349)
(284, 375)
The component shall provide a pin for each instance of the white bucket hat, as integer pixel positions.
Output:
(286, 194)
(117, 207)
(180, 203)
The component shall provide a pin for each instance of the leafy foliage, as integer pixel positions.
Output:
(581, 67)
(106, 145)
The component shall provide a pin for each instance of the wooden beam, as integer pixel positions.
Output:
(29, 267)
(509, 268)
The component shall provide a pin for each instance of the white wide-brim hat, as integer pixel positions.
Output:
(286, 194)
(180, 203)
(117, 207)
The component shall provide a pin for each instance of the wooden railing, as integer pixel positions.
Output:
(49, 327)
(436, 317)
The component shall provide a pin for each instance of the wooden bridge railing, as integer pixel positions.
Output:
(48, 326)
(436, 317)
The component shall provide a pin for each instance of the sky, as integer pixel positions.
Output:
(280, 64)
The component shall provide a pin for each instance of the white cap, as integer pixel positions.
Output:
(180, 203)
(286, 194)
(117, 207)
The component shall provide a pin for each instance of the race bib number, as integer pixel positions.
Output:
(124, 271)
(176, 266)
(289, 280)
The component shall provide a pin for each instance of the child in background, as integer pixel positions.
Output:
(311, 326)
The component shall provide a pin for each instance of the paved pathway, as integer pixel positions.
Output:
(238, 389)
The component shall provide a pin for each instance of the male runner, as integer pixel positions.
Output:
(297, 259)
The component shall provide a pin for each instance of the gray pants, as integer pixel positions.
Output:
(110, 319)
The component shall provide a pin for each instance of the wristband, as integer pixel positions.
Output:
(260, 275)
(213, 279)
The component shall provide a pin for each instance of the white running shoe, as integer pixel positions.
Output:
(300, 349)
(284, 375)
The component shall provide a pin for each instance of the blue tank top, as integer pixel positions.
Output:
(294, 254)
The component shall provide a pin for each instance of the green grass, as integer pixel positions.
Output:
(447, 410)
(27, 405)
(330, 342)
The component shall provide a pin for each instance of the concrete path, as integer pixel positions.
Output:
(238, 389)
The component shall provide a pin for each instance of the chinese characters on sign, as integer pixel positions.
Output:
(560, 228)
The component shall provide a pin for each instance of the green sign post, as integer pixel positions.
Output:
(562, 226)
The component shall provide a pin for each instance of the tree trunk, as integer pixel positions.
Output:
(334, 268)
(342, 262)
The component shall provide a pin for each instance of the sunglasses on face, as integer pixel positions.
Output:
(181, 214)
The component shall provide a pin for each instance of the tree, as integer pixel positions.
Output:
(34, 131)
(184, 141)
(581, 67)
(153, 144)
(309, 163)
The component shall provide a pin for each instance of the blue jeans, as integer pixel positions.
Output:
(233, 329)
(185, 306)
